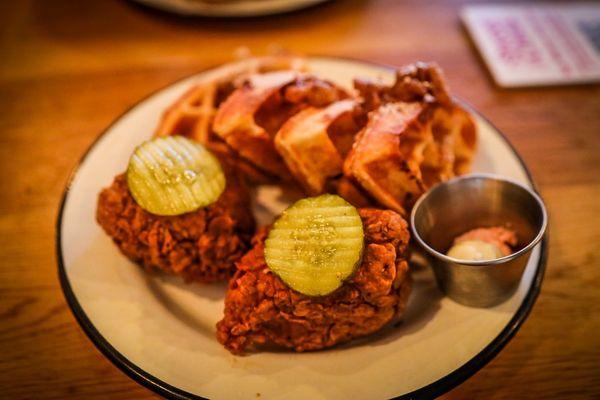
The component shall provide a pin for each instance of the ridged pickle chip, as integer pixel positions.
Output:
(174, 175)
(316, 244)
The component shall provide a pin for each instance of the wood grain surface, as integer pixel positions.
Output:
(69, 68)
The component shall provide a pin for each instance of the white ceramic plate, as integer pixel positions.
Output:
(229, 8)
(161, 332)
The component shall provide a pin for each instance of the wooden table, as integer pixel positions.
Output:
(68, 68)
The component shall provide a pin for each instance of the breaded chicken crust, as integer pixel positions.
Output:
(261, 309)
(200, 246)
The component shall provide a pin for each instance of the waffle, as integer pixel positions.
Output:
(251, 116)
(236, 125)
(274, 122)
(314, 142)
(416, 136)
(193, 113)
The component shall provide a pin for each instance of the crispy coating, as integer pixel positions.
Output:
(261, 309)
(200, 246)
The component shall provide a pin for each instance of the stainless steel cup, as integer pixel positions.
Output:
(473, 201)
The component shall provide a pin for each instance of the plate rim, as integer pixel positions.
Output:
(431, 390)
(240, 11)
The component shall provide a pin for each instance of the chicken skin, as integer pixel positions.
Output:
(261, 309)
(200, 246)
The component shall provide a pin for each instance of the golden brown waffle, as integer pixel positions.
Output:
(313, 148)
(406, 148)
(252, 115)
(272, 120)
(380, 163)
(192, 114)
(235, 121)
(416, 136)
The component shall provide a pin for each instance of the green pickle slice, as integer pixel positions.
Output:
(316, 244)
(174, 175)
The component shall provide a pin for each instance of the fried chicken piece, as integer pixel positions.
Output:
(200, 246)
(251, 116)
(260, 308)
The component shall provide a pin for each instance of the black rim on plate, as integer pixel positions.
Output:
(431, 390)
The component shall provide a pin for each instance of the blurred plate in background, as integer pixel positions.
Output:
(229, 8)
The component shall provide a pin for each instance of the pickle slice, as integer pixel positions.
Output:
(316, 244)
(173, 175)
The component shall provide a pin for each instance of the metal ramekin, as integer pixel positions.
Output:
(473, 201)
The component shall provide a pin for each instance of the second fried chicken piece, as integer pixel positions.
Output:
(200, 246)
(260, 308)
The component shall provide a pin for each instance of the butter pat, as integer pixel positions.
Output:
(474, 250)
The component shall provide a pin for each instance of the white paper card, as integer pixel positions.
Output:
(541, 44)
